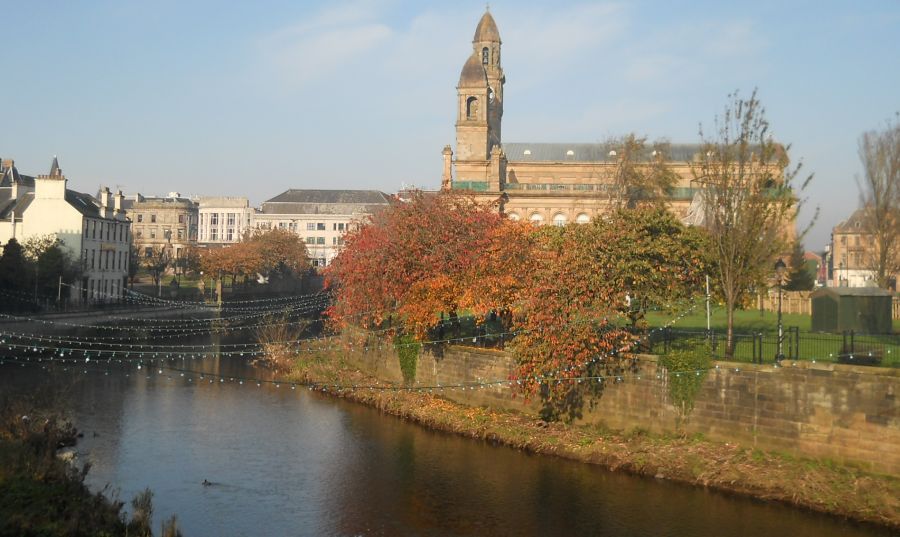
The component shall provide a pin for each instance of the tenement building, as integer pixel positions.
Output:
(539, 182)
(168, 223)
(94, 231)
(321, 217)
(223, 220)
(852, 253)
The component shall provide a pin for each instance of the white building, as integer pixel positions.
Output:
(95, 232)
(224, 220)
(321, 217)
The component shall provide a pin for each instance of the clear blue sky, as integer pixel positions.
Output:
(241, 98)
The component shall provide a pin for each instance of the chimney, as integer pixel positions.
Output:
(118, 199)
(104, 202)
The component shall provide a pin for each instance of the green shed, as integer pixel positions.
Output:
(864, 309)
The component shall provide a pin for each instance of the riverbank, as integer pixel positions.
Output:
(818, 485)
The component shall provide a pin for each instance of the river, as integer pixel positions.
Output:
(294, 462)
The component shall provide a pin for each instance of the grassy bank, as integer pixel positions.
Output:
(820, 486)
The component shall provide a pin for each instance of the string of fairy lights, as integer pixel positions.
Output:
(165, 360)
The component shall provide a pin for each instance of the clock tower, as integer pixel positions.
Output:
(480, 112)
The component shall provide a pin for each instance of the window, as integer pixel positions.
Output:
(582, 218)
(93, 229)
(310, 226)
(140, 217)
(214, 234)
(148, 251)
(341, 226)
(559, 220)
(152, 232)
(310, 240)
(84, 259)
(139, 233)
(180, 218)
(472, 108)
(230, 219)
(320, 226)
(337, 241)
(152, 218)
(229, 235)
(320, 240)
(485, 55)
(214, 219)
(85, 229)
(180, 233)
(537, 219)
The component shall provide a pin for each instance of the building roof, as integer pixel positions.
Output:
(486, 29)
(854, 224)
(301, 201)
(11, 206)
(851, 291)
(83, 203)
(473, 74)
(561, 152)
(11, 175)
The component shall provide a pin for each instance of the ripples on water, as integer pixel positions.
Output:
(296, 463)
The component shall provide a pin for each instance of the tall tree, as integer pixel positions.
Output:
(14, 271)
(800, 278)
(642, 174)
(879, 186)
(749, 200)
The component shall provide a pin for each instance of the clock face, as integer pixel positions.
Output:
(491, 94)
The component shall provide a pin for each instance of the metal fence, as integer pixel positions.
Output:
(762, 347)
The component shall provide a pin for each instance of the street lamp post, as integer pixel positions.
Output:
(779, 275)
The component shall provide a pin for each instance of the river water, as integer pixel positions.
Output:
(294, 462)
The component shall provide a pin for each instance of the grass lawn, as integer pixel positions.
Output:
(800, 343)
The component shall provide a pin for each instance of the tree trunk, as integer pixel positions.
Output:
(729, 334)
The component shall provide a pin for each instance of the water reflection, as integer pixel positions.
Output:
(296, 463)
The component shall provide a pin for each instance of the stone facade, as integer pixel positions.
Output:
(321, 217)
(224, 220)
(845, 413)
(169, 222)
(541, 182)
(850, 256)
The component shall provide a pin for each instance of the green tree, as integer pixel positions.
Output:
(14, 269)
(641, 174)
(800, 278)
(749, 201)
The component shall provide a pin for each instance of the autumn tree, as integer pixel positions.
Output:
(411, 260)
(879, 186)
(641, 174)
(749, 200)
(586, 279)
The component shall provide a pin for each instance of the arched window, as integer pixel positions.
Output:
(559, 220)
(472, 108)
(537, 219)
(514, 217)
(485, 55)
(582, 218)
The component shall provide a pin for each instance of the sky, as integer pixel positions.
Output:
(252, 98)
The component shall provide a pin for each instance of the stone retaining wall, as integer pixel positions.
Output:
(849, 414)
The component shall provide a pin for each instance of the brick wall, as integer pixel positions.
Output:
(845, 413)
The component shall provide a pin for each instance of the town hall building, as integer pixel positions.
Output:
(539, 182)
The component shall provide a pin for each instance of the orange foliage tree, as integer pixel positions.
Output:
(411, 260)
(564, 291)
(267, 252)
